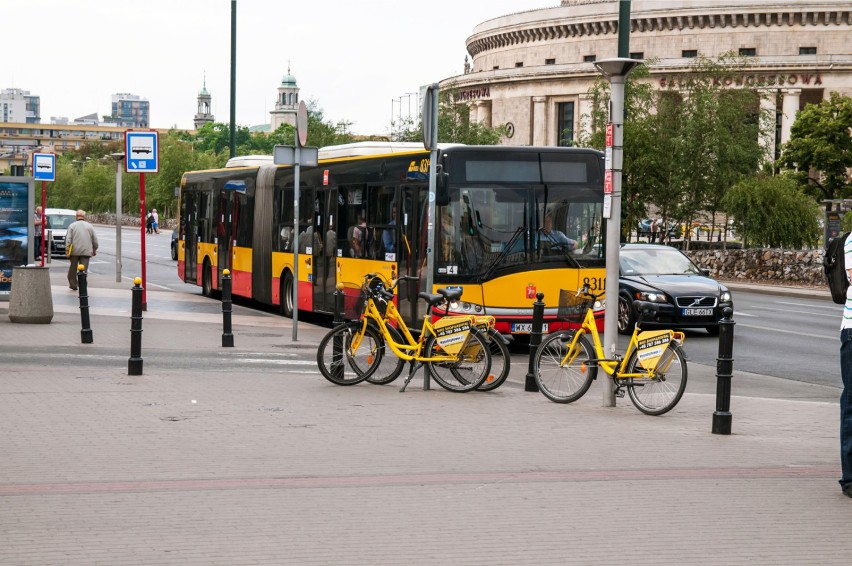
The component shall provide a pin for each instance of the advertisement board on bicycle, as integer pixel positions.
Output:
(451, 333)
(651, 345)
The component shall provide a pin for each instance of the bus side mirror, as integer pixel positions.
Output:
(442, 193)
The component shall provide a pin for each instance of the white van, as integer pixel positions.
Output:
(58, 220)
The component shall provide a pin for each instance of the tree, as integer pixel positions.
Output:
(773, 211)
(454, 125)
(820, 141)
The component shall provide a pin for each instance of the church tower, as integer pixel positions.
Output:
(204, 114)
(287, 103)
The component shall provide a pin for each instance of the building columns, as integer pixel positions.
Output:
(539, 129)
(789, 108)
(584, 117)
(482, 113)
(768, 109)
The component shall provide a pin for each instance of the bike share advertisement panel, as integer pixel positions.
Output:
(16, 213)
(651, 346)
(450, 333)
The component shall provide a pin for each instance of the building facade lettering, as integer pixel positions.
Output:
(750, 80)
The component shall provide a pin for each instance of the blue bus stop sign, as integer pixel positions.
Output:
(44, 167)
(143, 152)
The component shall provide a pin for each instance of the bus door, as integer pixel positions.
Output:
(325, 272)
(226, 226)
(412, 252)
(189, 232)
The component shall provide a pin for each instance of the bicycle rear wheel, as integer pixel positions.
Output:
(466, 373)
(500, 362)
(342, 364)
(564, 382)
(390, 365)
(658, 392)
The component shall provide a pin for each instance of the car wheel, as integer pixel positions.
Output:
(174, 251)
(626, 316)
(713, 330)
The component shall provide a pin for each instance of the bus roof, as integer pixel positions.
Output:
(357, 149)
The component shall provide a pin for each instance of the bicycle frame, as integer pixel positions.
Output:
(616, 367)
(413, 348)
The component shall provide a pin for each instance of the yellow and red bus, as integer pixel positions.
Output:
(510, 222)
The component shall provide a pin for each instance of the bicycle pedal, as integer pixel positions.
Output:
(619, 393)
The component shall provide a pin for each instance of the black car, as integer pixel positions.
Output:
(685, 295)
(174, 244)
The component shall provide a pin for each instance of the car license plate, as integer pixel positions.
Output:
(526, 328)
(697, 312)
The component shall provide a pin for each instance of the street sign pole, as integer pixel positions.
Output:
(142, 228)
(616, 70)
(44, 170)
(43, 208)
(142, 155)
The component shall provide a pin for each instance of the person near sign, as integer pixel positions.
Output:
(81, 244)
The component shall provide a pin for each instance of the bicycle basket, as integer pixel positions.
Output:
(572, 307)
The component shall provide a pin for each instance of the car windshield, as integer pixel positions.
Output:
(59, 221)
(661, 261)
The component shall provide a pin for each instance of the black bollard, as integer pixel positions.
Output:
(337, 341)
(724, 366)
(227, 335)
(134, 364)
(86, 332)
(535, 340)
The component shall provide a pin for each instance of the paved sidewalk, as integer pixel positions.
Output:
(189, 466)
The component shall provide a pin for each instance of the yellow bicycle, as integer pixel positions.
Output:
(453, 349)
(652, 369)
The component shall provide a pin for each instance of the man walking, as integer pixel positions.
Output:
(846, 374)
(81, 243)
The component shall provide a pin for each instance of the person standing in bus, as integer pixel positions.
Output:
(359, 237)
(389, 235)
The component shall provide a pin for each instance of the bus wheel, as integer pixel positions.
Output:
(286, 295)
(207, 280)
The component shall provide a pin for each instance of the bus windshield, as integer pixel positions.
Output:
(487, 230)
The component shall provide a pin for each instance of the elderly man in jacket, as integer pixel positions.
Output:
(81, 243)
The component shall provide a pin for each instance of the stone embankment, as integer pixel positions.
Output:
(762, 265)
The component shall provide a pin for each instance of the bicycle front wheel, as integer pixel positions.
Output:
(340, 362)
(500, 362)
(563, 376)
(390, 365)
(657, 392)
(468, 371)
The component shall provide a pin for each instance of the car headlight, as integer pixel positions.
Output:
(725, 297)
(652, 297)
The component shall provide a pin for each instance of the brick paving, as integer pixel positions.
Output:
(183, 465)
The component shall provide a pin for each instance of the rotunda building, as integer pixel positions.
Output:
(531, 70)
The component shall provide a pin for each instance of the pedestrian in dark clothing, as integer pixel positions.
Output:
(846, 375)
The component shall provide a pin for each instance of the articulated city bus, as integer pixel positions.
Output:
(510, 222)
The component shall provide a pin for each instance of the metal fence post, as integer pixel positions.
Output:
(227, 335)
(86, 332)
(134, 364)
(722, 417)
(535, 340)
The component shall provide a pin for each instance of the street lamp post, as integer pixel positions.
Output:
(117, 157)
(616, 70)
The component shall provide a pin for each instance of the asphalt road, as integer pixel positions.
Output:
(778, 336)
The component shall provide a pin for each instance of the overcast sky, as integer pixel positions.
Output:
(352, 56)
